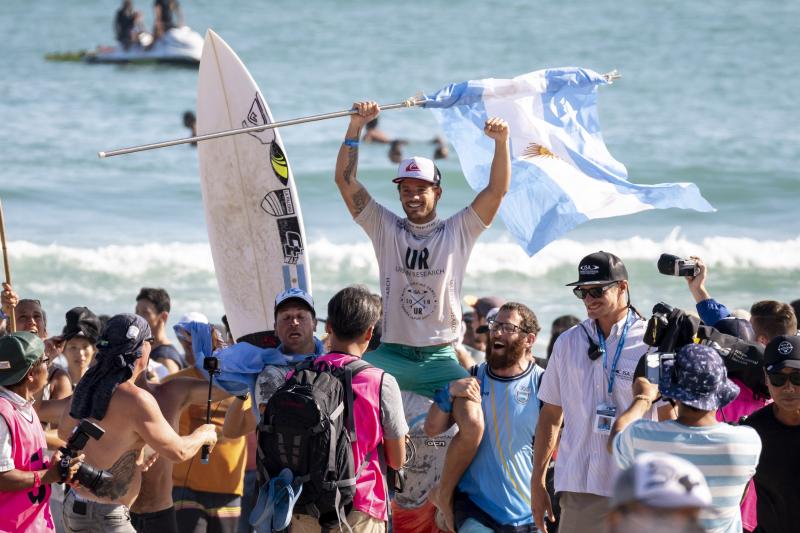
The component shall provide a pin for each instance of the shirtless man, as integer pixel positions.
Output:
(131, 417)
(154, 510)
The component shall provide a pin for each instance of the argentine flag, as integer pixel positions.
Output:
(562, 173)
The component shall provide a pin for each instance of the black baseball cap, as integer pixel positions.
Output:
(782, 352)
(600, 268)
(81, 322)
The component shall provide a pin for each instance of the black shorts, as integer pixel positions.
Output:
(158, 522)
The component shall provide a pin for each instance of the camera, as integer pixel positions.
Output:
(672, 265)
(211, 364)
(658, 324)
(654, 364)
(88, 476)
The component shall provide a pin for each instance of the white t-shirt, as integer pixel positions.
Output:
(421, 272)
(579, 385)
(424, 470)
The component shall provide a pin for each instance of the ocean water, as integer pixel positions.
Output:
(707, 95)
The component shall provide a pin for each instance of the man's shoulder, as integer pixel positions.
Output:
(760, 418)
(129, 398)
(574, 337)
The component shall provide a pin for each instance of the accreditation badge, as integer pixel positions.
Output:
(604, 417)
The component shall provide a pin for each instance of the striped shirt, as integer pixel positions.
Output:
(578, 385)
(726, 455)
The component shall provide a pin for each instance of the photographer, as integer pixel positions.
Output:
(768, 318)
(695, 378)
(25, 474)
(130, 415)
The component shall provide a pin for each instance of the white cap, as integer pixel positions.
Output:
(193, 316)
(661, 480)
(418, 168)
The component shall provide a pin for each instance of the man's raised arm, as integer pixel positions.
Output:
(153, 428)
(354, 194)
(488, 200)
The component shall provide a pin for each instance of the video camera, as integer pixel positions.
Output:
(669, 329)
(87, 475)
(672, 265)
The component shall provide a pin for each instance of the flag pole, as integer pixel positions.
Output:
(12, 321)
(411, 102)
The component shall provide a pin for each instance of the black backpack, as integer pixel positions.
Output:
(308, 428)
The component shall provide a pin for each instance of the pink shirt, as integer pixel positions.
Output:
(370, 497)
(25, 510)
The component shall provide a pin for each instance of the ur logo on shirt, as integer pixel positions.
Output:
(417, 259)
(418, 301)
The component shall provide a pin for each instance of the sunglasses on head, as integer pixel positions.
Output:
(594, 292)
(779, 380)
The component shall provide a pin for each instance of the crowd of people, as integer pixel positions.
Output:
(408, 414)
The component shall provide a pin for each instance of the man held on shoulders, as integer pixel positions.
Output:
(422, 260)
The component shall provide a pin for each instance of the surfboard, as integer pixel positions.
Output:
(252, 209)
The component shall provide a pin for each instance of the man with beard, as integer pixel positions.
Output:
(494, 493)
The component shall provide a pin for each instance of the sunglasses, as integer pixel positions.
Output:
(779, 380)
(594, 292)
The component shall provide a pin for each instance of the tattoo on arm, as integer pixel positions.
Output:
(360, 200)
(121, 477)
(352, 163)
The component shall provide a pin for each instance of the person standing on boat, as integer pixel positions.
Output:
(164, 13)
(124, 23)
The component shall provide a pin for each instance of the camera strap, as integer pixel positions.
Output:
(601, 341)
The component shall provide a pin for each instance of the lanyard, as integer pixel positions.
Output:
(601, 341)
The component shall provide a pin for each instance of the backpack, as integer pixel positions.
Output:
(308, 428)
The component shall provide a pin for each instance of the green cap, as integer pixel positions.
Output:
(18, 352)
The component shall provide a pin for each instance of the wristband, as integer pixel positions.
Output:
(37, 481)
(443, 400)
(643, 397)
(352, 143)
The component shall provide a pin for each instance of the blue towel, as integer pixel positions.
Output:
(276, 501)
(241, 364)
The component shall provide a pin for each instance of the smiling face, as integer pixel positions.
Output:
(294, 326)
(30, 317)
(609, 303)
(419, 199)
(508, 344)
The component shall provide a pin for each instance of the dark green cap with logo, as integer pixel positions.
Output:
(18, 352)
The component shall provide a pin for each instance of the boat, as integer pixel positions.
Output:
(180, 45)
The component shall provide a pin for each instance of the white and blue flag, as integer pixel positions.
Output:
(562, 173)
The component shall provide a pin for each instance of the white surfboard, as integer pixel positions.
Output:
(255, 226)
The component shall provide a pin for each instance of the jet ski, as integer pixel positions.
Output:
(180, 45)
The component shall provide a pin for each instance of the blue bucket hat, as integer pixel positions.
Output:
(698, 378)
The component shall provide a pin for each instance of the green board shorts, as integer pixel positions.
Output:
(419, 369)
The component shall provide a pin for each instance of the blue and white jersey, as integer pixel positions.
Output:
(499, 478)
(726, 455)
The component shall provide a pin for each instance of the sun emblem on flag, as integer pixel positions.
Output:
(537, 150)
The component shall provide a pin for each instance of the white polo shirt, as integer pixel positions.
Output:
(578, 385)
